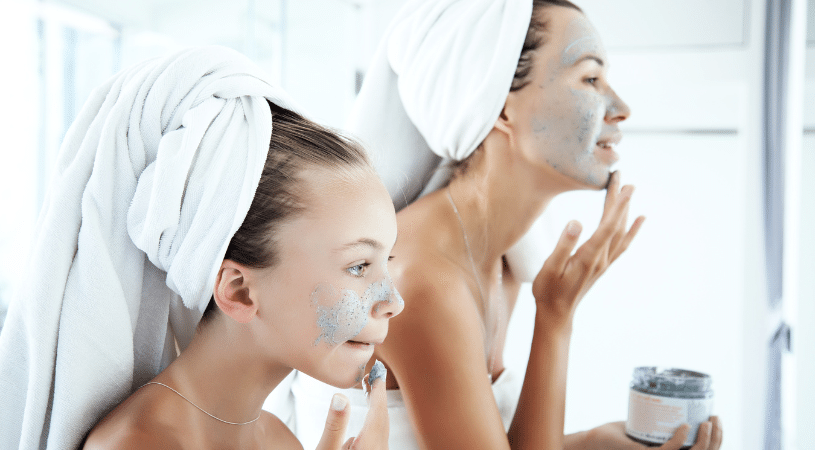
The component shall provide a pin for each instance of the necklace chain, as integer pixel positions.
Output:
(475, 274)
(202, 409)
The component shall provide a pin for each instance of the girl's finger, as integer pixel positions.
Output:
(335, 424)
(374, 432)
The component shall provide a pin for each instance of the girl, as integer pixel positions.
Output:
(189, 187)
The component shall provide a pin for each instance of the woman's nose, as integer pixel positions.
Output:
(391, 305)
(617, 110)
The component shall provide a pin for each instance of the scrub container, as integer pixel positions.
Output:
(663, 399)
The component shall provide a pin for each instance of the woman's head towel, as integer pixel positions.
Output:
(434, 90)
(153, 179)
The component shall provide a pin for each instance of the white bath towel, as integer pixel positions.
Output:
(433, 92)
(153, 179)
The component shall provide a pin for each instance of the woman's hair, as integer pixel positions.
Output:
(534, 39)
(296, 144)
(535, 35)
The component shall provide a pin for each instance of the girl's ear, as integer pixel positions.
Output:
(232, 293)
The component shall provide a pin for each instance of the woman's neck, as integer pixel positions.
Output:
(222, 372)
(501, 195)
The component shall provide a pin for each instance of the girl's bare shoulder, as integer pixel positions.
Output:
(140, 422)
(278, 434)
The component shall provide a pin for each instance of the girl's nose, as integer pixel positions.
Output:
(389, 306)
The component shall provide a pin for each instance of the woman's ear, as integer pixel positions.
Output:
(232, 293)
(504, 122)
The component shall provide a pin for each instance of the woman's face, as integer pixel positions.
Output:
(568, 113)
(329, 297)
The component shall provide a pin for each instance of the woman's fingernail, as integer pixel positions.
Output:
(573, 228)
(338, 402)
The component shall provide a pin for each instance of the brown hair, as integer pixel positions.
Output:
(534, 39)
(296, 144)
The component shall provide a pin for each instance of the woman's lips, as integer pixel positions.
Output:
(606, 152)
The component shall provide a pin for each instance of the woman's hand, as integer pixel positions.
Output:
(374, 433)
(611, 436)
(565, 278)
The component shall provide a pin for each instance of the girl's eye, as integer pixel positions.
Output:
(358, 270)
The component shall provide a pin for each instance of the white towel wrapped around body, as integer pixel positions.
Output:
(153, 179)
(432, 93)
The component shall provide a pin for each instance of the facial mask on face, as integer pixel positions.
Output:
(377, 371)
(341, 315)
(571, 121)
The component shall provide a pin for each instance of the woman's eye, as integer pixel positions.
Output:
(358, 270)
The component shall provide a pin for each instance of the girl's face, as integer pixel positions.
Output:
(329, 297)
(568, 113)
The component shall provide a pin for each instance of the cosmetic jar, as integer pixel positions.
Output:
(662, 399)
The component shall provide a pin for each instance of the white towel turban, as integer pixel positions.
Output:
(154, 178)
(435, 88)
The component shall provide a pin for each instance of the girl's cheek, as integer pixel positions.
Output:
(341, 315)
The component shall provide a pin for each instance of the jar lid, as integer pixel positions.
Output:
(670, 381)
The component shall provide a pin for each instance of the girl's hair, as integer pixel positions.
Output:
(535, 35)
(296, 144)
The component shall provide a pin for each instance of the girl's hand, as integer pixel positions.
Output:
(374, 433)
(565, 278)
(611, 436)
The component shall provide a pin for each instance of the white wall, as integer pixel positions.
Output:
(18, 181)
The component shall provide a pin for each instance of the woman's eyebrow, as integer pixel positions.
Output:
(590, 58)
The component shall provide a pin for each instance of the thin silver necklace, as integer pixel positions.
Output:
(475, 274)
(202, 409)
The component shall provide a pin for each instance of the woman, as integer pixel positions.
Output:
(188, 185)
(515, 94)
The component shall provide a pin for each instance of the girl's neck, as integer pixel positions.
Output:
(223, 373)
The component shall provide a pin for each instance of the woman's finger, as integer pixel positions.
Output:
(678, 440)
(612, 191)
(718, 433)
(563, 250)
(335, 424)
(595, 245)
(617, 237)
(625, 241)
(703, 437)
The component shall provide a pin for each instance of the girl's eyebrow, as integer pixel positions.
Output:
(363, 242)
